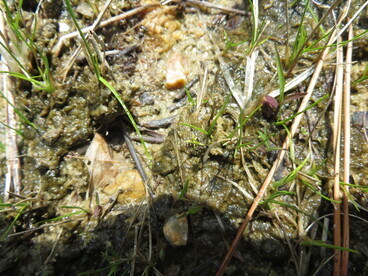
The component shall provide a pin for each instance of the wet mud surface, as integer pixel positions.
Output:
(89, 207)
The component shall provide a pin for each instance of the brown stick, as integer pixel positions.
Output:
(337, 153)
(280, 157)
(56, 50)
(345, 202)
(13, 176)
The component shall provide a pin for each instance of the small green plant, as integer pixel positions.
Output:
(93, 58)
(307, 108)
(300, 38)
(23, 43)
(280, 73)
(19, 113)
(22, 206)
(326, 245)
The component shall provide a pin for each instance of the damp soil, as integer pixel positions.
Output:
(91, 209)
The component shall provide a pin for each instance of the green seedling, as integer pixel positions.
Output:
(315, 243)
(364, 77)
(280, 73)
(291, 176)
(20, 39)
(196, 128)
(307, 108)
(300, 38)
(316, 19)
(81, 211)
(17, 111)
(20, 212)
(94, 60)
(184, 191)
(318, 193)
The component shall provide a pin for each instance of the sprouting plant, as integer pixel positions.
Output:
(19, 113)
(22, 206)
(301, 36)
(22, 44)
(93, 57)
(280, 73)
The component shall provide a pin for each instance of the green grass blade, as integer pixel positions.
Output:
(130, 116)
(24, 118)
(221, 111)
(309, 107)
(92, 56)
(319, 193)
(7, 230)
(280, 73)
(326, 245)
(60, 217)
(196, 128)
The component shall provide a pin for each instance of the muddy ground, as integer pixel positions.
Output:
(95, 199)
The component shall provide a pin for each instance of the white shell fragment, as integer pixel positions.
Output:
(176, 74)
(176, 230)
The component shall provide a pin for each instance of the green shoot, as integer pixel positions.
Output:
(230, 42)
(24, 118)
(364, 77)
(316, 19)
(184, 191)
(60, 217)
(352, 200)
(94, 60)
(222, 110)
(264, 141)
(333, 45)
(326, 245)
(12, 128)
(196, 128)
(280, 73)
(290, 177)
(20, 39)
(92, 55)
(2, 147)
(256, 29)
(300, 36)
(74, 207)
(363, 188)
(190, 98)
(309, 107)
(196, 143)
(194, 210)
(318, 193)
(243, 121)
(9, 228)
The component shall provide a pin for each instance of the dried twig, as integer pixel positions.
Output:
(208, 5)
(336, 152)
(56, 50)
(279, 158)
(345, 203)
(13, 176)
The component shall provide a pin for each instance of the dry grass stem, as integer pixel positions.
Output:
(336, 143)
(13, 176)
(294, 82)
(236, 185)
(56, 50)
(279, 158)
(249, 77)
(347, 136)
(330, 10)
(215, 6)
